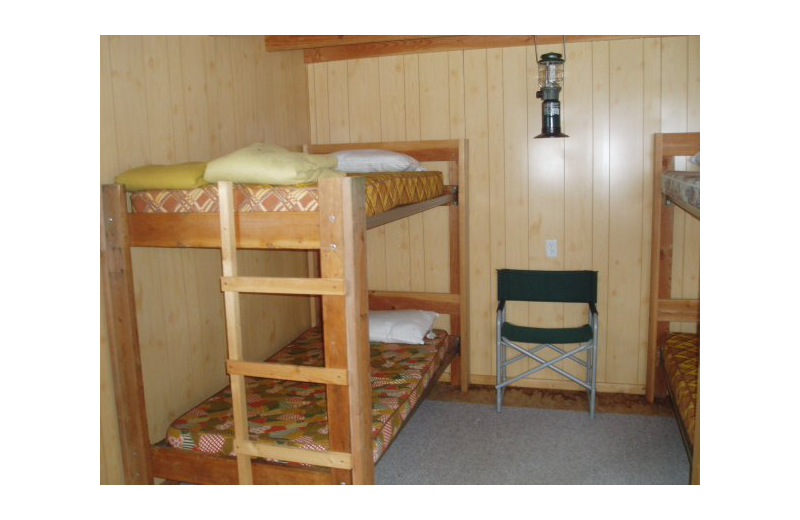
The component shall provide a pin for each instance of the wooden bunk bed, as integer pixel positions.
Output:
(673, 359)
(336, 231)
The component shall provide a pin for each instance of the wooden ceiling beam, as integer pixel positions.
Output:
(292, 42)
(331, 48)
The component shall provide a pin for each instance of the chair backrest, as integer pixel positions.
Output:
(547, 286)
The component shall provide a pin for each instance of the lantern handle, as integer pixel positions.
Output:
(536, 48)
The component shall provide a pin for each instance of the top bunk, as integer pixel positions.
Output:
(680, 187)
(287, 217)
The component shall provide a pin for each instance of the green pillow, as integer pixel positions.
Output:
(262, 163)
(164, 177)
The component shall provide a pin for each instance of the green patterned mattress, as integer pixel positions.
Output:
(292, 413)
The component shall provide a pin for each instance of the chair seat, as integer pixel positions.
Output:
(538, 335)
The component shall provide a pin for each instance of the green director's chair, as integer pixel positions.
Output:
(547, 286)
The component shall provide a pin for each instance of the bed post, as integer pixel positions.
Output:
(343, 227)
(459, 267)
(123, 336)
(660, 268)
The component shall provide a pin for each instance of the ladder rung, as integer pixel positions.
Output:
(328, 376)
(260, 284)
(328, 459)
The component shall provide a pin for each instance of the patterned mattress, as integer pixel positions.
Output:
(384, 192)
(684, 189)
(291, 413)
(681, 357)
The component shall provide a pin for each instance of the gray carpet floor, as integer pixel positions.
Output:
(465, 443)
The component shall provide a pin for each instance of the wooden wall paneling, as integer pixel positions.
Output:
(221, 103)
(245, 88)
(476, 114)
(130, 102)
(312, 103)
(496, 194)
(578, 210)
(295, 92)
(416, 225)
(194, 95)
(322, 108)
(157, 84)
(625, 237)
(364, 91)
(177, 107)
(652, 125)
(109, 160)
(434, 103)
(393, 128)
(455, 83)
(515, 118)
(338, 103)
(601, 165)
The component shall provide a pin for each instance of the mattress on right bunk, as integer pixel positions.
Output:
(684, 189)
(681, 358)
(294, 413)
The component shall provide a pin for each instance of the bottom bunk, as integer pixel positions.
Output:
(198, 447)
(680, 359)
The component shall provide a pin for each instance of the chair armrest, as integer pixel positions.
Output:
(593, 309)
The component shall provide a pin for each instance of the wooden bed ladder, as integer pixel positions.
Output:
(346, 372)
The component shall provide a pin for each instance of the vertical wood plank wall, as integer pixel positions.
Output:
(168, 99)
(591, 191)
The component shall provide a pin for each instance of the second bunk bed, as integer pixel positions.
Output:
(326, 407)
(673, 358)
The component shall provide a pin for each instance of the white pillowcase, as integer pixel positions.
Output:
(408, 326)
(696, 159)
(369, 160)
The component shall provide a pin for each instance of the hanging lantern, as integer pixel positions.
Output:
(551, 81)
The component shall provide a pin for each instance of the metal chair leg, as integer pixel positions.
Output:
(500, 372)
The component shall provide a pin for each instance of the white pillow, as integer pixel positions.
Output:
(369, 160)
(408, 326)
(696, 159)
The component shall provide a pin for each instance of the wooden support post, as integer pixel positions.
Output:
(123, 337)
(233, 325)
(342, 210)
(459, 268)
(660, 269)
(695, 476)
